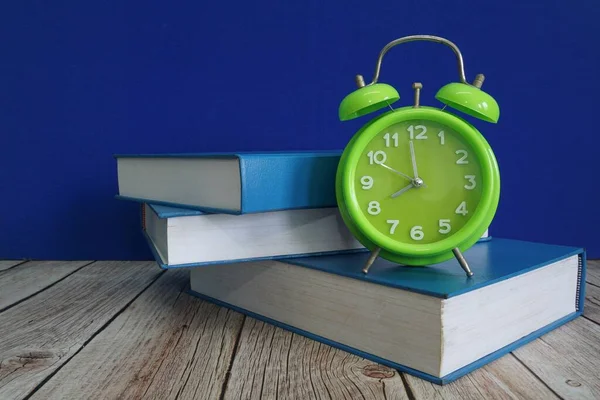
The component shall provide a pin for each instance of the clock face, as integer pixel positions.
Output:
(419, 206)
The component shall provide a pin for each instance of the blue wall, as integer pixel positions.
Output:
(81, 80)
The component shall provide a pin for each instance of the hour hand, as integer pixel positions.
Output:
(404, 189)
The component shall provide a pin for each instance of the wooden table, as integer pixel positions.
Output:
(83, 330)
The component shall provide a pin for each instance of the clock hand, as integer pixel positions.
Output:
(418, 182)
(413, 158)
(404, 189)
(397, 172)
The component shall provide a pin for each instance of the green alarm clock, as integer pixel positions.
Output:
(418, 185)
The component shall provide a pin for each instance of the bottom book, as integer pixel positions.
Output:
(432, 322)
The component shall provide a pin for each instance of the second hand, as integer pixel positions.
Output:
(401, 174)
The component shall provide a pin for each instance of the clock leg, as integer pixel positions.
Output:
(461, 260)
(371, 260)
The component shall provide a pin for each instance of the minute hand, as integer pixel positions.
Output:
(413, 158)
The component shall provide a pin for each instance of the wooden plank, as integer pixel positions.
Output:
(567, 359)
(166, 344)
(592, 303)
(42, 333)
(27, 279)
(274, 363)
(6, 264)
(501, 379)
(593, 272)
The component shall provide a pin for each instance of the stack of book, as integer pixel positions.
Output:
(261, 234)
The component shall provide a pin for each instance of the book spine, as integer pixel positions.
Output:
(273, 183)
(143, 215)
(581, 272)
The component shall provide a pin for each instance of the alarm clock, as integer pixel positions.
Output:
(418, 185)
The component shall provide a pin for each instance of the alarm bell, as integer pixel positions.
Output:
(366, 100)
(471, 100)
(462, 96)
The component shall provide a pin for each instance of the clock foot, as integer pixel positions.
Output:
(371, 260)
(463, 263)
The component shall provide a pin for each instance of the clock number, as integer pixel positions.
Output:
(463, 159)
(386, 137)
(441, 136)
(394, 223)
(462, 208)
(411, 129)
(471, 179)
(366, 182)
(444, 226)
(374, 208)
(378, 157)
(416, 232)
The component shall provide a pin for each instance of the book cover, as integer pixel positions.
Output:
(236, 183)
(491, 261)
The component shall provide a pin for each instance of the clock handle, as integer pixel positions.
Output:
(429, 38)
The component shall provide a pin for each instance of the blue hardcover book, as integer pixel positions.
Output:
(191, 238)
(432, 322)
(184, 237)
(239, 183)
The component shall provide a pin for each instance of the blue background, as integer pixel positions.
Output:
(80, 81)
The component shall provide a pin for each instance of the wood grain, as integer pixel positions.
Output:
(567, 359)
(165, 345)
(502, 379)
(21, 282)
(6, 264)
(42, 333)
(592, 303)
(274, 363)
(593, 272)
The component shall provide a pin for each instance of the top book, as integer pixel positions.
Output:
(232, 183)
